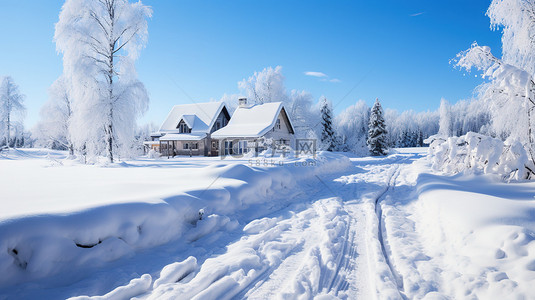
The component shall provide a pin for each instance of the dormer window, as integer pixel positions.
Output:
(183, 127)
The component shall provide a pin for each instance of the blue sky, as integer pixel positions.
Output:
(396, 50)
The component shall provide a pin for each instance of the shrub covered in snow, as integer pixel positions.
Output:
(478, 153)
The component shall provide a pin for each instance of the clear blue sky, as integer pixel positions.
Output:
(399, 51)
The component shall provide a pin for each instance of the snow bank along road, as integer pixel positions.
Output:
(344, 228)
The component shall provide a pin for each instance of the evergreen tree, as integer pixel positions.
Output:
(377, 131)
(327, 132)
(420, 138)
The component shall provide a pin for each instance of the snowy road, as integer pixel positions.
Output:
(328, 244)
(336, 235)
(346, 228)
(336, 227)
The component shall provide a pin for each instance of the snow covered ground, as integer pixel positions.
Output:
(338, 227)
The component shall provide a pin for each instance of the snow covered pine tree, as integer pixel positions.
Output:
(377, 131)
(327, 132)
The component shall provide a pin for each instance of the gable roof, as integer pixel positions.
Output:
(189, 120)
(200, 117)
(253, 121)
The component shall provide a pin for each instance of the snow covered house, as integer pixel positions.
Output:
(253, 126)
(187, 129)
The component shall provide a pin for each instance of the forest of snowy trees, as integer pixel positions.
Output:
(348, 133)
(93, 107)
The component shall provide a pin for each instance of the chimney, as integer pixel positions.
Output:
(243, 102)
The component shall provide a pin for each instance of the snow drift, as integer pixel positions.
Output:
(39, 246)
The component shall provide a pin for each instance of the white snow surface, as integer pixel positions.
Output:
(344, 228)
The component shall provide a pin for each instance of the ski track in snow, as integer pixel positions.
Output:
(382, 229)
(332, 239)
(322, 248)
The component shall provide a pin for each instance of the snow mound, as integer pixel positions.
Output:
(136, 287)
(176, 272)
(40, 246)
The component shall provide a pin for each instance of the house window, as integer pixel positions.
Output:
(195, 146)
(244, 148)
(228, 148)
(183, 127)
(185, 146)
(278, 125)
(214, 145)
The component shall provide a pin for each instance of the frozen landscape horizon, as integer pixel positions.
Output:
(230, 155)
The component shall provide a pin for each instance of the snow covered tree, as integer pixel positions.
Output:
(510, 92)
(352, 125)
(303, 118)
(268, 86)
(445, 122)
(53, 128)
(377, 131)
(420, 138)
(265, 86)
(510, 95)
(516, 19)
(11, 105)
(328, 138)
(100, 41)
(421, 125)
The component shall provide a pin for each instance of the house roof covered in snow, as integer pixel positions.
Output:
(200, 117)
(182, 137)
(253, 121)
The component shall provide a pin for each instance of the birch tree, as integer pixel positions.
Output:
(11, 105)
(268, 86)
(265, 86)
(352, 126)
(445, 122)
(300, 109)
(100, 41)
(53, 128)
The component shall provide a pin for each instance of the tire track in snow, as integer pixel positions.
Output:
(381, 230)
(310, 268)
(341, 278)
(375, 180)
(337, 282)
(313, 259)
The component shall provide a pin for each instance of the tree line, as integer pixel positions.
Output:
(93, 106)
